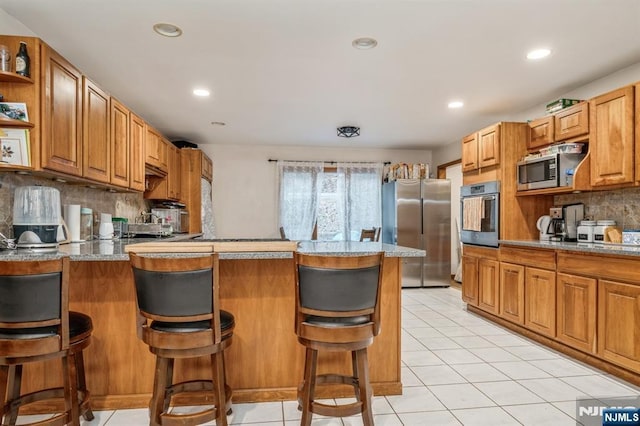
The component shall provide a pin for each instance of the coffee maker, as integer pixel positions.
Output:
(564, 222)
(36, 217)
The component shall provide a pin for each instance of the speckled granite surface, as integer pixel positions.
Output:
(114, 251)
(616, 249)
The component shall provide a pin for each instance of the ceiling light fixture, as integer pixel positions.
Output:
(455, 104)
(167, 30)
(364, 43)
(538, 54)
(201, 92)
(348, 131)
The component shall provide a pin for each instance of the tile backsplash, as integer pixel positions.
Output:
(621, 205)
(127, 205)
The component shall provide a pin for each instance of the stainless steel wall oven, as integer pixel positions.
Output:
(480, 213)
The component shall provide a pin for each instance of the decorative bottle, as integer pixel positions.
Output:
(23, 63)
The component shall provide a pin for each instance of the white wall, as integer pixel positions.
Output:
(245, 192)
(11, 26)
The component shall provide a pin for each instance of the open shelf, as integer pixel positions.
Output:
(9, 122)
(11, 77)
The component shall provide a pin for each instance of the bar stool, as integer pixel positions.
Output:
(181, 318)
(337, 310)
(36, 325)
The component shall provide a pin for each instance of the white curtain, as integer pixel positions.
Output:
(361, 186)
(299, 197)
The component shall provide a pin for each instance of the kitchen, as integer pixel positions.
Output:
(237, 219)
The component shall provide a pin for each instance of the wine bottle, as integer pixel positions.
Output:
(23, 63)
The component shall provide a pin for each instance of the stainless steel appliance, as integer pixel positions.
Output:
(170, 216)
(417, 213)
(548, 171)
(564, 222)
(480, 213)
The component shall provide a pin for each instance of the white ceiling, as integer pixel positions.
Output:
(283, 72)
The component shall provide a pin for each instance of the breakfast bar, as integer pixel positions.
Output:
(265, 361)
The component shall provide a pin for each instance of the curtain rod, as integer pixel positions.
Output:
(271, 160)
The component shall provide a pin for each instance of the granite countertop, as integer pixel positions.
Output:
(114, 250)
(617, 249)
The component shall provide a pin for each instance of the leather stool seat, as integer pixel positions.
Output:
(227, 322)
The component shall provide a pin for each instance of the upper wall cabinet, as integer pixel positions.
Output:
(137, 133)
(96, 152)
(156, 152)
(541, 132)
(61, 127)
(566, 124)
(470, 152)
(489, 146)
(611, 144)
(121, 161)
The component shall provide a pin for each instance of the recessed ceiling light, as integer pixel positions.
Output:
(538, 54)
(201, 92)
(455, 104)
(167, 30)
(364, 43)
(218, 123)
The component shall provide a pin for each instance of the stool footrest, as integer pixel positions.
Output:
(337, 379)
(343, 410)
(200, 417)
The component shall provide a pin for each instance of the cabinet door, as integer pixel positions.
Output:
(540, 133)
(137, 132)
(619, 323)
(489, 285)
(572, 122)
(470, 152)
(96, 149)
(512, 292)
(156, 150)
(611, 138)
(61, 138)
(576, 311)
(470, 280)
(207, 167)
(174, 175)
(540, 301)
(489, 146)
(120, 150)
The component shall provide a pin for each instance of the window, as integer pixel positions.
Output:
(339, 201)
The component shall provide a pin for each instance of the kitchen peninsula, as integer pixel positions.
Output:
(265, 361)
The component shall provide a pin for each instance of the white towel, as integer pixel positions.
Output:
(472, 214)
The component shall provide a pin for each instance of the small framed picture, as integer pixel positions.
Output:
(15, 146)
(14, 111)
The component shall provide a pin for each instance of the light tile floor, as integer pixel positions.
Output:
(457, 368)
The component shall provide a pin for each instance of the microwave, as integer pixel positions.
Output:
(549, 171)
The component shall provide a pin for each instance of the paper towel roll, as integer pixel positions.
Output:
(72, 218)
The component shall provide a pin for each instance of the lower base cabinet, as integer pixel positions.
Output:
(470, 280)
(619, 323)
(489, 285)
(512, 292)
(540, 301)
(481, 277)
(576, 311)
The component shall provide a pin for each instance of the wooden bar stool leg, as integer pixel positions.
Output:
(71, 389)
(365, 387)
(159, 386)
(356, 381)
(308, 385)
(227, 389)
(4, 381)
(13, 386)
(87, 413)
(169, 382)
(217, 364)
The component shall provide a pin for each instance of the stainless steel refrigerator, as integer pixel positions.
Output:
(417, 213)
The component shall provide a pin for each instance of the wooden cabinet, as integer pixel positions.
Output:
(611, 143)
(512, 292)
(540, 301)
(137, 133)
(196, 165)
(470, 279)
(489, 146)
(576, 311)
(489, 285)
(480, 275)
(571, 122)
(61, 132)
(619, 323)
(155, 150)
(96, 142)
(207, 167)
(470, 152)
(541, 133)
(120, 140)
(174, 173)
(637, 132)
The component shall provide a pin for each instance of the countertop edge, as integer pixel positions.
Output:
(612, 249)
